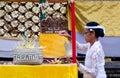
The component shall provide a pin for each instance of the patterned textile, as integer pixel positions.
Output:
(16, 17)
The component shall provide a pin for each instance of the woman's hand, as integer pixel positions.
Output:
(65, 34)
(77, 63)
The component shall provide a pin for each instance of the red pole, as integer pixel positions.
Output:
(73, 31)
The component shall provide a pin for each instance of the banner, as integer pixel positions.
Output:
(105, 12)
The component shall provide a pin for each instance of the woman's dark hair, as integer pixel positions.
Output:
(99, 32)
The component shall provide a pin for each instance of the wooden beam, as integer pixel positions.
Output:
(20, 0)
(50, 1)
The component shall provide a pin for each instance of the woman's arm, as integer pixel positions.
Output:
(85, 70)
(65, 34)
(82, 47)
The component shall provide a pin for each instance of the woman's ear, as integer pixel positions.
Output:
(92, 32)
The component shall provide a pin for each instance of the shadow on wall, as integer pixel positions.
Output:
(7, 47)
(111, 46)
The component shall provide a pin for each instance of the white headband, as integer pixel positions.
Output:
(95, 27)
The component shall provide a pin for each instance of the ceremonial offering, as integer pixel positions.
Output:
(59, 61)
(27, 52)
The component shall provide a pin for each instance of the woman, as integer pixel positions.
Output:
(94, 60)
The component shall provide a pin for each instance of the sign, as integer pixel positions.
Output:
(53, 25)
(27, 56)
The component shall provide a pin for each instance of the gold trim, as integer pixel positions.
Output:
(11, 38)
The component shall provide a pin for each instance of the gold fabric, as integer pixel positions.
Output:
(54, 45)
(39, 71)
(104, 12)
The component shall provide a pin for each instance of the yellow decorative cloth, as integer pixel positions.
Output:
(104, 12)
(54, 45)
(39, 71)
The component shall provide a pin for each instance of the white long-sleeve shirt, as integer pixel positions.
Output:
(94, 60)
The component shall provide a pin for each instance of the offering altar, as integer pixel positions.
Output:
(39, 71)
(27, 54)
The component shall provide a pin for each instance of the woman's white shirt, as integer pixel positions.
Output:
(94, 60)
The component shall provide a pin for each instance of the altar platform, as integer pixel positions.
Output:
(39, 71)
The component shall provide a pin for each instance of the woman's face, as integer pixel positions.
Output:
(88, 35)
